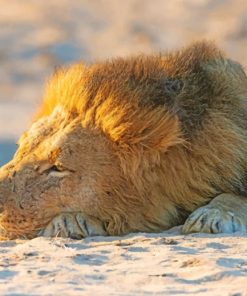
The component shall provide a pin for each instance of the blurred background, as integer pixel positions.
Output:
(36, 36)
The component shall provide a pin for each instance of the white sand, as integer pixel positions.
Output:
(137, 264)
(36, 36)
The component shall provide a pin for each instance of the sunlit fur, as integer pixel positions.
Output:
(145, 141)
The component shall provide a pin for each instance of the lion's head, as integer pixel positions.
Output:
(89, 147)
(96, 146)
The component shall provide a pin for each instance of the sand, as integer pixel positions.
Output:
(38, 36)
(167, 263)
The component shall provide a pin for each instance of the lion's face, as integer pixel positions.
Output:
(59, 167)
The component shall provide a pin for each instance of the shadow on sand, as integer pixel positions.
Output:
(7, 149)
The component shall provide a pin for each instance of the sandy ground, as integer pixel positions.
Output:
(35, 37)
(137, 264)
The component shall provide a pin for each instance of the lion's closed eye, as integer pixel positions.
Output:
(54, 170)
(57, 171)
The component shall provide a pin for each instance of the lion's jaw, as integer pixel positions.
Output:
(59, 167)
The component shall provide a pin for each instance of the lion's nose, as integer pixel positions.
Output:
(1, 207)
(2, 201)
(5, 191)
(7, 183)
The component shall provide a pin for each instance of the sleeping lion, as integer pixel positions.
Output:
(137, 144)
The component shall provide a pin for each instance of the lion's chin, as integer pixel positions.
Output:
(14, 236)
(10, 232)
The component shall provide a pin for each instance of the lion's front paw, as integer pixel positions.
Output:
(73, 225)
(214, 220)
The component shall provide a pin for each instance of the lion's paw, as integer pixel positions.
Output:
(72, 225)
(208, 219)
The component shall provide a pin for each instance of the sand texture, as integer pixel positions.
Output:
(137, 264)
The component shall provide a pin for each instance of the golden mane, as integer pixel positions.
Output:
(127, 98)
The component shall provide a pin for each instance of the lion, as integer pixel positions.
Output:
(136, 144)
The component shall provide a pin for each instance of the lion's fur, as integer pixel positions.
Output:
(155, 137)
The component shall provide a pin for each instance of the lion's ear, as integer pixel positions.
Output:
(173, 87)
